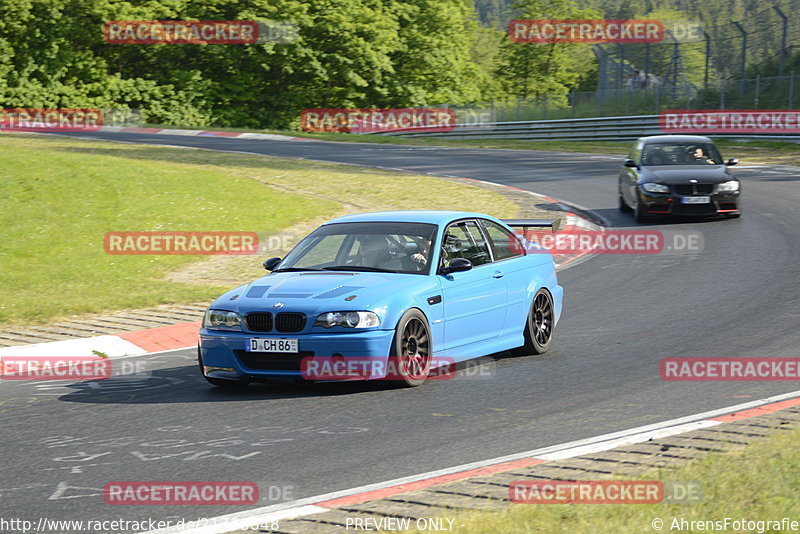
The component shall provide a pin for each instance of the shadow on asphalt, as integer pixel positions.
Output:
(180, 385)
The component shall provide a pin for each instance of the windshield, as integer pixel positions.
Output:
(368, 246)
(680, 154)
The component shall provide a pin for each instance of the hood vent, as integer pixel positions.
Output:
(336, 292)
(256, 292)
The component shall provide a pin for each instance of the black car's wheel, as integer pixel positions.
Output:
(412, 349)
(539, 326)
(623, 206)
(220, 382)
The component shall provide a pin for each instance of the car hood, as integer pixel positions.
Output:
(319, 292)
(681, 174)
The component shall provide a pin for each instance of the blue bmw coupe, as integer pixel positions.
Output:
(402, 291)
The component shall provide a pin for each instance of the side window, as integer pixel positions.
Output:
(465, 240)
(505, 244)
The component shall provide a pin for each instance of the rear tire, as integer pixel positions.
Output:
(412, 349)
(540, 325)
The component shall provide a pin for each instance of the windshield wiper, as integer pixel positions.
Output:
(358, 268)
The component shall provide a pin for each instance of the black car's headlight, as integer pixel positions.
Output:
(348, 319)
(222, 320)
(655, 188)
(732, 185)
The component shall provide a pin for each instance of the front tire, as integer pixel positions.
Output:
(540, 325)
(220, 382)
(640, 212)
(623, 206)
(412, 349)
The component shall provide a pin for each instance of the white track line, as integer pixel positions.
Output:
(307, 506)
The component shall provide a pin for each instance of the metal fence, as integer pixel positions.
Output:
(592, 129)
(747, 64)
(761, 92)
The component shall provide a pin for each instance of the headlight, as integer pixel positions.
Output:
(348, 319)
(655, 188)
(222, 320)
(732, 185)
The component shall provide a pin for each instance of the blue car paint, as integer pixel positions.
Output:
(496, 295)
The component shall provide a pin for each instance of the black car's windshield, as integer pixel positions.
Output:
(655, 154)
(368, 246)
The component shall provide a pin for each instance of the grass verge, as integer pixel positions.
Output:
(60, 196)
(757, 482)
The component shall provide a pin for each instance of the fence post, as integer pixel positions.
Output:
(658, 99)
(791, 90)
(784, 31)
(758, 90)
(518, 105)
(708, 57)
(743, 59)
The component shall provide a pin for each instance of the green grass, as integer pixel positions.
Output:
(756, 482)
(59, 196)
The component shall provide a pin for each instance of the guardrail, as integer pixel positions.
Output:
(591, 129)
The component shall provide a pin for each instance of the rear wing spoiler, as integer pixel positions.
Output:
(554, 224)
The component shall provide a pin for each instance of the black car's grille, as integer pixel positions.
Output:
(693, 189)
(272, 361)
(290, 322)
(259, 322)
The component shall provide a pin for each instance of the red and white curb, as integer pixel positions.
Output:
(380, 490)
(202, 133)
(137, 342)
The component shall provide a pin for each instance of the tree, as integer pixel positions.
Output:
(532, 70)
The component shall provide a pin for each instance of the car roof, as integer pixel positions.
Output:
(676, 139)
(417, 216)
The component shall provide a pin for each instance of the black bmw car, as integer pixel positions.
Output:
(677, 175)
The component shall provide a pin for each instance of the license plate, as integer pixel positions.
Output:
(696, 200)
(271, 344)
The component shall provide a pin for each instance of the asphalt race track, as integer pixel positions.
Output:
(738, 297)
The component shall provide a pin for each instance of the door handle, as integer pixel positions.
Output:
(498, 274)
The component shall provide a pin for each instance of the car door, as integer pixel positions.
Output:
(473, 301)
(509, 254)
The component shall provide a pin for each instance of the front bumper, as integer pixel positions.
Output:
(227, 350)
(672, 204)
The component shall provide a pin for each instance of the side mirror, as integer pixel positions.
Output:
(630, 163)
(457, 265)
(732, 161)
(271, 263)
